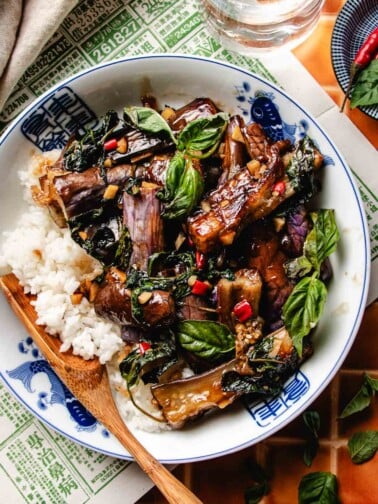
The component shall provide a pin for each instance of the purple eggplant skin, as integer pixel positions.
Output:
(199, 108)
(142, 217)
(297, 228)
(80, 192)
(113, 302)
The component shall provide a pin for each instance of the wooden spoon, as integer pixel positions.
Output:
(88, 381)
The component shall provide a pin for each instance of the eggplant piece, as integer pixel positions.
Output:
(297, 227)
(156, 171)
(258, 145)
(246, 285)
(142, 217)
(268, 258)
(235, 153)
(140, 145)
(114, 302)
(69, 194)
(185, 399)
(237, 202)
(195, 308)
(199, 108)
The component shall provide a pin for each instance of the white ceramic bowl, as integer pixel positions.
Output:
(175, 80)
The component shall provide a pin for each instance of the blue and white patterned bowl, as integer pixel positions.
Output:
(356, 20)
(175, 80)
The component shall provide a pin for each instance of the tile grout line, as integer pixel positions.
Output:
(334, 432)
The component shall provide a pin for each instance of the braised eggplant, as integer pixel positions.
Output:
(210, 255)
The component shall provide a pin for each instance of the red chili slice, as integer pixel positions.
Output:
(200, 288)
(243, 310)
(110, 144)
(200, 260)
(279, 187)
(143, 347)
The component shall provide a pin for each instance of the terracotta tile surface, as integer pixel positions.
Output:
(225, 479)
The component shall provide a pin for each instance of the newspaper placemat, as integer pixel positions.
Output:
(36, 463)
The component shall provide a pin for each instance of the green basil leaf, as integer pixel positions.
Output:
(298, 267)
(312, 422)
(174, 175)
(201, 137)
(362, 399)
(362, 446)
(124, 249)
(205, 338)
(318, 488)
(322, 240)
(188, 193)
(303, 308)
(372, 382)
(260, 486)
(148, 120)
(365, 90)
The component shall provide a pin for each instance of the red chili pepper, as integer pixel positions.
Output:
(143, 347)
(279, 187)
(200, 260)
(110, 144)
(364, 56)
(243, 310)
(200, 288)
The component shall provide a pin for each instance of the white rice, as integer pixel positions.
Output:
(51, 265)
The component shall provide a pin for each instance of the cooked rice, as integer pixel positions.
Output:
(49, 264)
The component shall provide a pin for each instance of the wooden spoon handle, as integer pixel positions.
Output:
(173, 489)
(88, 381)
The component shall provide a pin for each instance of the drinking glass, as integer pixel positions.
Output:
(253, 26)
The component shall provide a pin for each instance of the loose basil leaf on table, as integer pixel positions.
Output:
(362, 446)
(260, 487)
(365, 91)
(207, 339)
(200, 138)
(318, 488)
(312, 422)
(148, 120)
(363, 397)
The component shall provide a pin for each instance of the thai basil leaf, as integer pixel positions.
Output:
(260, 384)
(260, 487)
(318, 488)
(365, 90)
(88, 150)
(362, 446)
(206, 339)
(312, 422)
(124, 250)
(362, 398)
(188, 193)
(298, 267)
(152, 362)
(322, 240)
(174, 176)
(301, 168)
(201, 137)
(148, 120)
(303, 309)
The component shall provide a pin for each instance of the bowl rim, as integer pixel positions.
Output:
(365, 283)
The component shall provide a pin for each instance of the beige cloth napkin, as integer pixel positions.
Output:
(25, 26)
